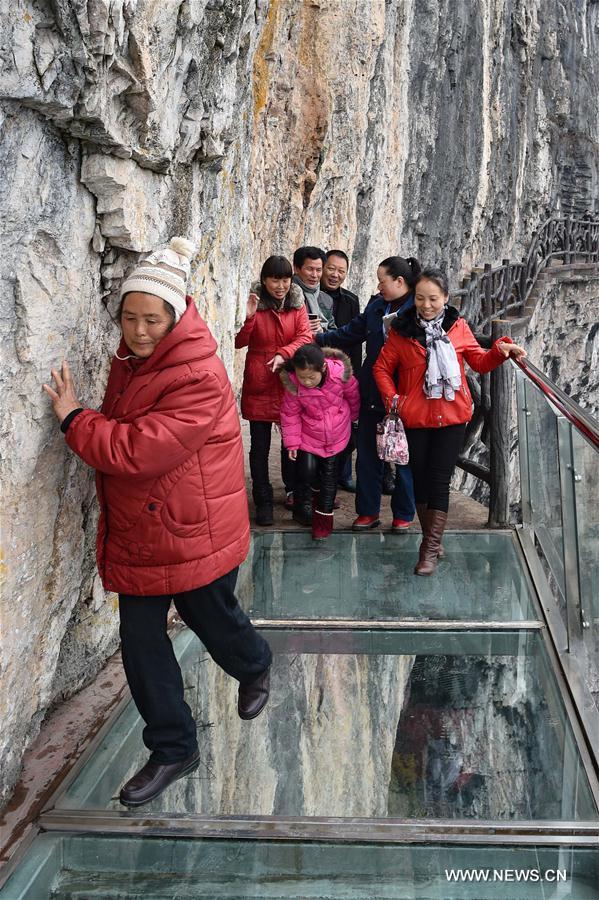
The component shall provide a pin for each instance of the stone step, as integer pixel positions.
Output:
(576, 259)
(577, 277)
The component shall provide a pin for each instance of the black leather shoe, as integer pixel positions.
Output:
(264, 514)
(302, 515)
(154, 778)
(253, 697)
(349, 486)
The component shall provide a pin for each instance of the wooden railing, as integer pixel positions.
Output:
(494, 300)
(504, 290)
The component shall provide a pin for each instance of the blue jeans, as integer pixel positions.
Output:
(369, 474)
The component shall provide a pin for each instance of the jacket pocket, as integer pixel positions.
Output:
(183, 511)
(124, 501)
(258, 376)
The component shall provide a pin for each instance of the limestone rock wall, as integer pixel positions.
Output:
(439, 129)
(123, 123)
(563, 334)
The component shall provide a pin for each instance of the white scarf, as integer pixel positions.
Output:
(443, 376)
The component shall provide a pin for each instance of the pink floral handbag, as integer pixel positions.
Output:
(391, 441)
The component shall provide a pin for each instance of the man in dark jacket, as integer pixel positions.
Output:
(346, 306)
(368, 327)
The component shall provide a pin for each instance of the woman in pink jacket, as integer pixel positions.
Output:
(320, 402)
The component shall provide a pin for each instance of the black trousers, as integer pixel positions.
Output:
(316, 473)
(260, 434)
(153, 672)
(433, 455)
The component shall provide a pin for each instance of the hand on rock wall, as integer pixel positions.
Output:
(63, 398)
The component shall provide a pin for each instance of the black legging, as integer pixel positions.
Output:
(318, 473)
(433, 455)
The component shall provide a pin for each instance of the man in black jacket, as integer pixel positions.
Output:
(345, 307)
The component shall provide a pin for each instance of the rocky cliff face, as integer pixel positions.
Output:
(281, 764)
(562, 339)
(439, 129)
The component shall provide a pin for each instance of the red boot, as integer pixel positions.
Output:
(322, 525)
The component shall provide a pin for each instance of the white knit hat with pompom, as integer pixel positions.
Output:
(164, 273)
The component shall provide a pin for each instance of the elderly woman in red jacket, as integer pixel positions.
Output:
(276, 324)
(167, 451)
(426, 349)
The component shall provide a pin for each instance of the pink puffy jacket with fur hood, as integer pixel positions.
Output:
(318, 420)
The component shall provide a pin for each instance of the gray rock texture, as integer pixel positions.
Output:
(562, 339)
(439, 129)
(280, 764)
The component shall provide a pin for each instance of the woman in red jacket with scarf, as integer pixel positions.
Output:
(427, 347)
(276, 325)
(167, 451)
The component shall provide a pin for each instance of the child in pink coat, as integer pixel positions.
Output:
(320, 402)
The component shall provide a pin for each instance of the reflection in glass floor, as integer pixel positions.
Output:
(370, 576)
(377, 729)
(376, 724)
(74, 867)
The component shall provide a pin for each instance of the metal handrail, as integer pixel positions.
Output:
(580, 418)
(557, 535)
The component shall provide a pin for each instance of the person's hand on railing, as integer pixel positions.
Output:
(511, 350)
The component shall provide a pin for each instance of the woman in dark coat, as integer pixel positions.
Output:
(276, 325)
(167, 451)
(396, 278)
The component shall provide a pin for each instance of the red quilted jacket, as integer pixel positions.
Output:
(405, 357)
(268, 332)
(168, 457)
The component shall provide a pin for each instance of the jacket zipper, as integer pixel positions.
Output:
(104, 504)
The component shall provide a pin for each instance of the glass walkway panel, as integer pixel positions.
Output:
(79, 867)
(372, 724)
(370, 576)
(421, 740)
